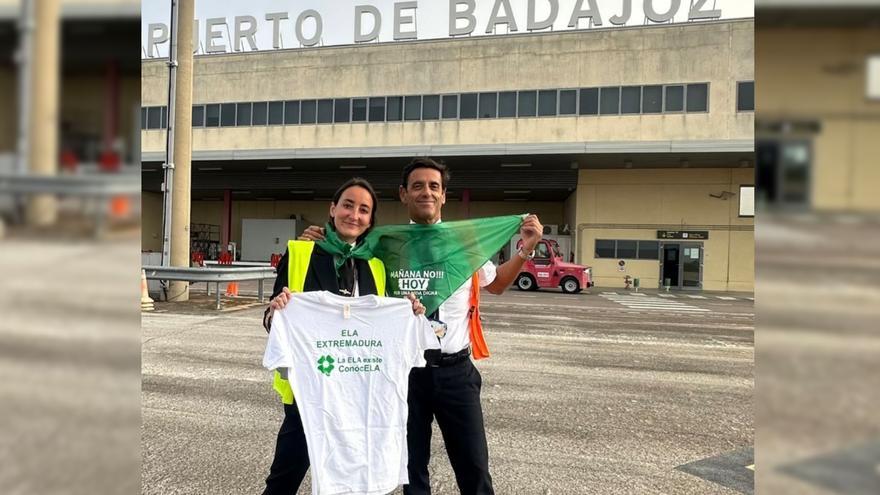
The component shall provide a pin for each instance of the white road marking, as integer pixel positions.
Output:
(653, 304)
(726, 298)
(696, 297)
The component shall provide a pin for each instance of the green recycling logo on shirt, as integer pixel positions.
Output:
(325, 364)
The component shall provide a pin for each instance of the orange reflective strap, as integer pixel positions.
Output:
(479, 348)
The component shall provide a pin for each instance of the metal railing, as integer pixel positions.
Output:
(94, 185)
(213, 275)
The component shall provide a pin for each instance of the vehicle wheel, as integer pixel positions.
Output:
(570, 286)
(526, 282)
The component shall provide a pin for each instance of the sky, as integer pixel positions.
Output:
(431, 17)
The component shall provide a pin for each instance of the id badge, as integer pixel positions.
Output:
(439, 328)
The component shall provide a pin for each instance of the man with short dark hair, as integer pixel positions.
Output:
(448, 388)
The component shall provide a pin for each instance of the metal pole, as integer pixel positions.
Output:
(168, 166)
(24, 58)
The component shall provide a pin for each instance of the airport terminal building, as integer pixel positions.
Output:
(818, 154)
(634, 144)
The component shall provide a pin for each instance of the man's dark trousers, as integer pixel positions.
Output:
(291, 456)
(452, 395)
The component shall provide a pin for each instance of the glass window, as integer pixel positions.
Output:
(359, 110)
(154, 119)
(652, 99)
(276, 112)
(394, 108)
(674, 101)
(488, 105)
(626, 249)
(697, 97)
(212, 115)
(467, 106)
(745, 96)
(631, 99)
(227, 114)
(547, 102)
(198, 116)
(143, 117)
(649, 250)
(325, 111)
(567, 102)
(589, 104)
(413, 107)
(260, 113)
(308, 112)
(604, 248)
(542, 251)
(291, 112)
(507, 104)
(164, 123)
(450, 106)
(609, 101)
(527, 104)
(243, 114)
(342, 110)
(431, 107)
(377, 109)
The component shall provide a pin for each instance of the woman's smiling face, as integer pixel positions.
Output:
(351, 215)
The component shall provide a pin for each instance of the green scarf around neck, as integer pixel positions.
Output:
(340, 249)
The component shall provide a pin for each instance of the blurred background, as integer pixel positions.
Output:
(69, 246)
(69, 241)
(817, 68)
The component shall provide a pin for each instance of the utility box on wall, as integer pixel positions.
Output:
(261, 238)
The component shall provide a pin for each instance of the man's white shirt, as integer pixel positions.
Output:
(349, 360)
(454, 311)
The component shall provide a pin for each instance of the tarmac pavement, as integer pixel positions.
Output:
(819, 308)
(582, 394)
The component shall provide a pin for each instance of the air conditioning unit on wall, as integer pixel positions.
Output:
(551, 230)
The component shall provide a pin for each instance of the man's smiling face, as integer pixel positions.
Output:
(424, 195)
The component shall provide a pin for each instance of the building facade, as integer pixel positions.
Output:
(818, 153)
(637, 143)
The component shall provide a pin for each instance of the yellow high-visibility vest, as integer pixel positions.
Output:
(299, 255)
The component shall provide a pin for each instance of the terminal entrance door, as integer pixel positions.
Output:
(782, 173)
(681, 265)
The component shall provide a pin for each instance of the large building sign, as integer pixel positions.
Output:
(229, 27)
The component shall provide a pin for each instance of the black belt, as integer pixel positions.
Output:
(436, 359)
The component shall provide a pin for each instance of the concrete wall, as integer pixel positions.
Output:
(634, 204)
(316, 212)
(720, 53)
(793, 66)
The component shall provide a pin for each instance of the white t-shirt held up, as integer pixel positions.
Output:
(349, 360)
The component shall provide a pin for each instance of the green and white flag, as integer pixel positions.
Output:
(430, 261)
(433, 261)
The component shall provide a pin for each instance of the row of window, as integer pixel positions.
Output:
(627, 249)
(621, 100)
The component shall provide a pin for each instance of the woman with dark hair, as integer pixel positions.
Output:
(307, 266)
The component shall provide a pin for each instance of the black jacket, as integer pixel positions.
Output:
(321, 275)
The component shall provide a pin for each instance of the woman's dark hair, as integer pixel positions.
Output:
(357, 182)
